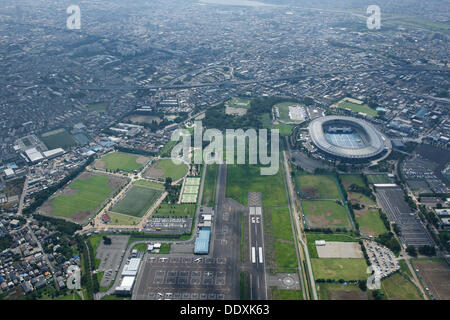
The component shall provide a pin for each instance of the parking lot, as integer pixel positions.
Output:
(382, 259)
(111, 257)
(413, 232)
(168, 225)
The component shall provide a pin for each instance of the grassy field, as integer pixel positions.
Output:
(396, 287)
(279, 294)
(378, 178)
(175, 210)
(59, 138)
(325, 214)
(339, 268)
(370, 222)
(88, 195)
(338, 291)
(121, 161)
(171, 170)
(339, 237)
(118, 219)
(70, 296)
(363, 108)
(242, 179)
(285, 129)
(286, 256)
(318, 186)
(349, 179)
(137, 201)
(141, 247)
(281, 222)
(209, 190)
(149, 184)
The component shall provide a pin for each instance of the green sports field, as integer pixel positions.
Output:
(318, 186)
(378, 178)
(280, 294)
(99, 106)
(121, 161)
(82, 195)
(137, 201)
(363, 108)
(325, 214)
(171, 170)
(285, 129)
(349, 179)
(339, 268)
(239, 103)
(149, 184)
(242, 179)
(59, 138)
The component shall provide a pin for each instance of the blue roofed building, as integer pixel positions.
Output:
(202, 241)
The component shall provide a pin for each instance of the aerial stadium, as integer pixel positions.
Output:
(348, 139)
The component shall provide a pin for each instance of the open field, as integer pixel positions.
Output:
(435, 275)
(174, 210)
(279, 294)
(318, 186)
(349, 179)
(285, 129)
(242, 179)
(137, 201)
(281, 223)
(140, 118)
(368, 218)
(165, 168)
(396, 287)
(59, 138)
(209, 190)
(355, 107)
(378, 178)
(338, 291)
(286, 256)
(339, 268)
(325, 214)
(118, 219)
(149, 184)
(121, 161)
(83, 197)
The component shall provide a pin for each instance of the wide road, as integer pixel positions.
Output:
(258, 290)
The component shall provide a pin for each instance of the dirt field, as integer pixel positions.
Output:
(436, 276)
(334, 249)
(347, 295)
(153, 173)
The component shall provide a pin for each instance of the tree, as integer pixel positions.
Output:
(362, 285)
(427, 250)
(411, 250)
(106, 240)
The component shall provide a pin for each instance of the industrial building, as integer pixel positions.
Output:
(202, 241)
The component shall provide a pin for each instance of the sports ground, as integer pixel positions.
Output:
(357, 106)
(83, 197)
(137, 201)
(165, 168)
(59, 138)
(283, 109)
(174, 210)
(121, 161)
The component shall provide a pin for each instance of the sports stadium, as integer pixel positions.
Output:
(348, 139)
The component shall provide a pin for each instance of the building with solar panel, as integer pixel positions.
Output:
(348, 139)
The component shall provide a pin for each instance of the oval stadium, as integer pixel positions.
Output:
(348, 139)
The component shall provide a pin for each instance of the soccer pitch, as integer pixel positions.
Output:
(137, 201)
(121, 161)
(171, 170)
(82, 195)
